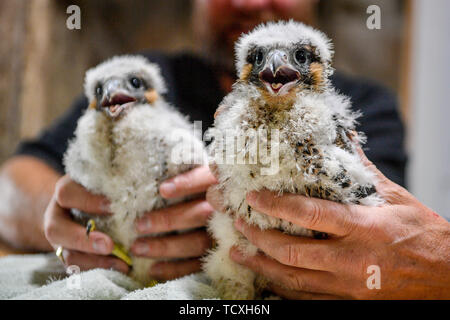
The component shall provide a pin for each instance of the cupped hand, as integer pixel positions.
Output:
(185, 248)
(400, 250)
(61, 230)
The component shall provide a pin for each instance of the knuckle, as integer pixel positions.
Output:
(165, 221)
(294, 282)
(371, 226)
(351, 220)
(159, 246)
(396, 194)
(313, 215)
(290, 256)
(275, 204)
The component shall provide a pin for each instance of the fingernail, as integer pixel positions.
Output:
(144, 225)
(140, 248)
(168, 188)
(207, 208)
(99, 245)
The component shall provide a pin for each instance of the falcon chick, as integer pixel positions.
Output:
(126, 143)
(282, 103)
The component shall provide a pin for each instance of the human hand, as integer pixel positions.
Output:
(60, 229)
(188, 246)
(407, 241)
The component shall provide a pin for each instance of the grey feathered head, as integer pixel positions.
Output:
(279, 56)
(122, 81)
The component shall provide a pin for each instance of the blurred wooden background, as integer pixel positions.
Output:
(42, 62)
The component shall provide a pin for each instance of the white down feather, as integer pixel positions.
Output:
(127, 161)
(315, 116)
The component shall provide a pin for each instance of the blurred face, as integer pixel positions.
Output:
(221, 22)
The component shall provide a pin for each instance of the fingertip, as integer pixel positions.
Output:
(239, 224)
(139, 248)
(143, 225)
(214, 169)
(215, 198)
(259, 198)
(236, 254)
(167, 189)
(120, 266)
(252, 198)
(207, 208)
(101, 243)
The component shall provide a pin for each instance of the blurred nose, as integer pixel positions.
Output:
(251, 4)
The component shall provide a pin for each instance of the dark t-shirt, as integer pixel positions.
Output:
(194, 89)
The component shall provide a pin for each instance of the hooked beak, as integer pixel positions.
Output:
(279, 76)
(115, 99)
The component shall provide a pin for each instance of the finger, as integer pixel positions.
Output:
(299, 295)
(214, 196)
(289, 277)
(86, 261)
(169, 270)
(388, 190)
(290, 250)
(61, 230)
(194, 181)
(214, 170)
(369, 164)
(310, 213)
(186, 245)
(71, 195)
(187, 215)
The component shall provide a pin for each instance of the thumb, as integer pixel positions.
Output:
(388, 190)
(381, 178)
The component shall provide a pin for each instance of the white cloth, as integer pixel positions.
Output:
(42, 276)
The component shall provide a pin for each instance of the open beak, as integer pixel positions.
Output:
(115, 100)
(116, 104)
(279, 76)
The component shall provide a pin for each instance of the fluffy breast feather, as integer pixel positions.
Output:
(127, 161)
(310, 161)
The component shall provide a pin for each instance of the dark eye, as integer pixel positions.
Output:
(99, 90)
(136, 82)
(259, 55)
(301, 56)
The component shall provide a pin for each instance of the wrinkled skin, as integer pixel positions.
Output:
(408, 241)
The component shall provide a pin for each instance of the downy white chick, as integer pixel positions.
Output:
(284, 106)
(127, 142)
